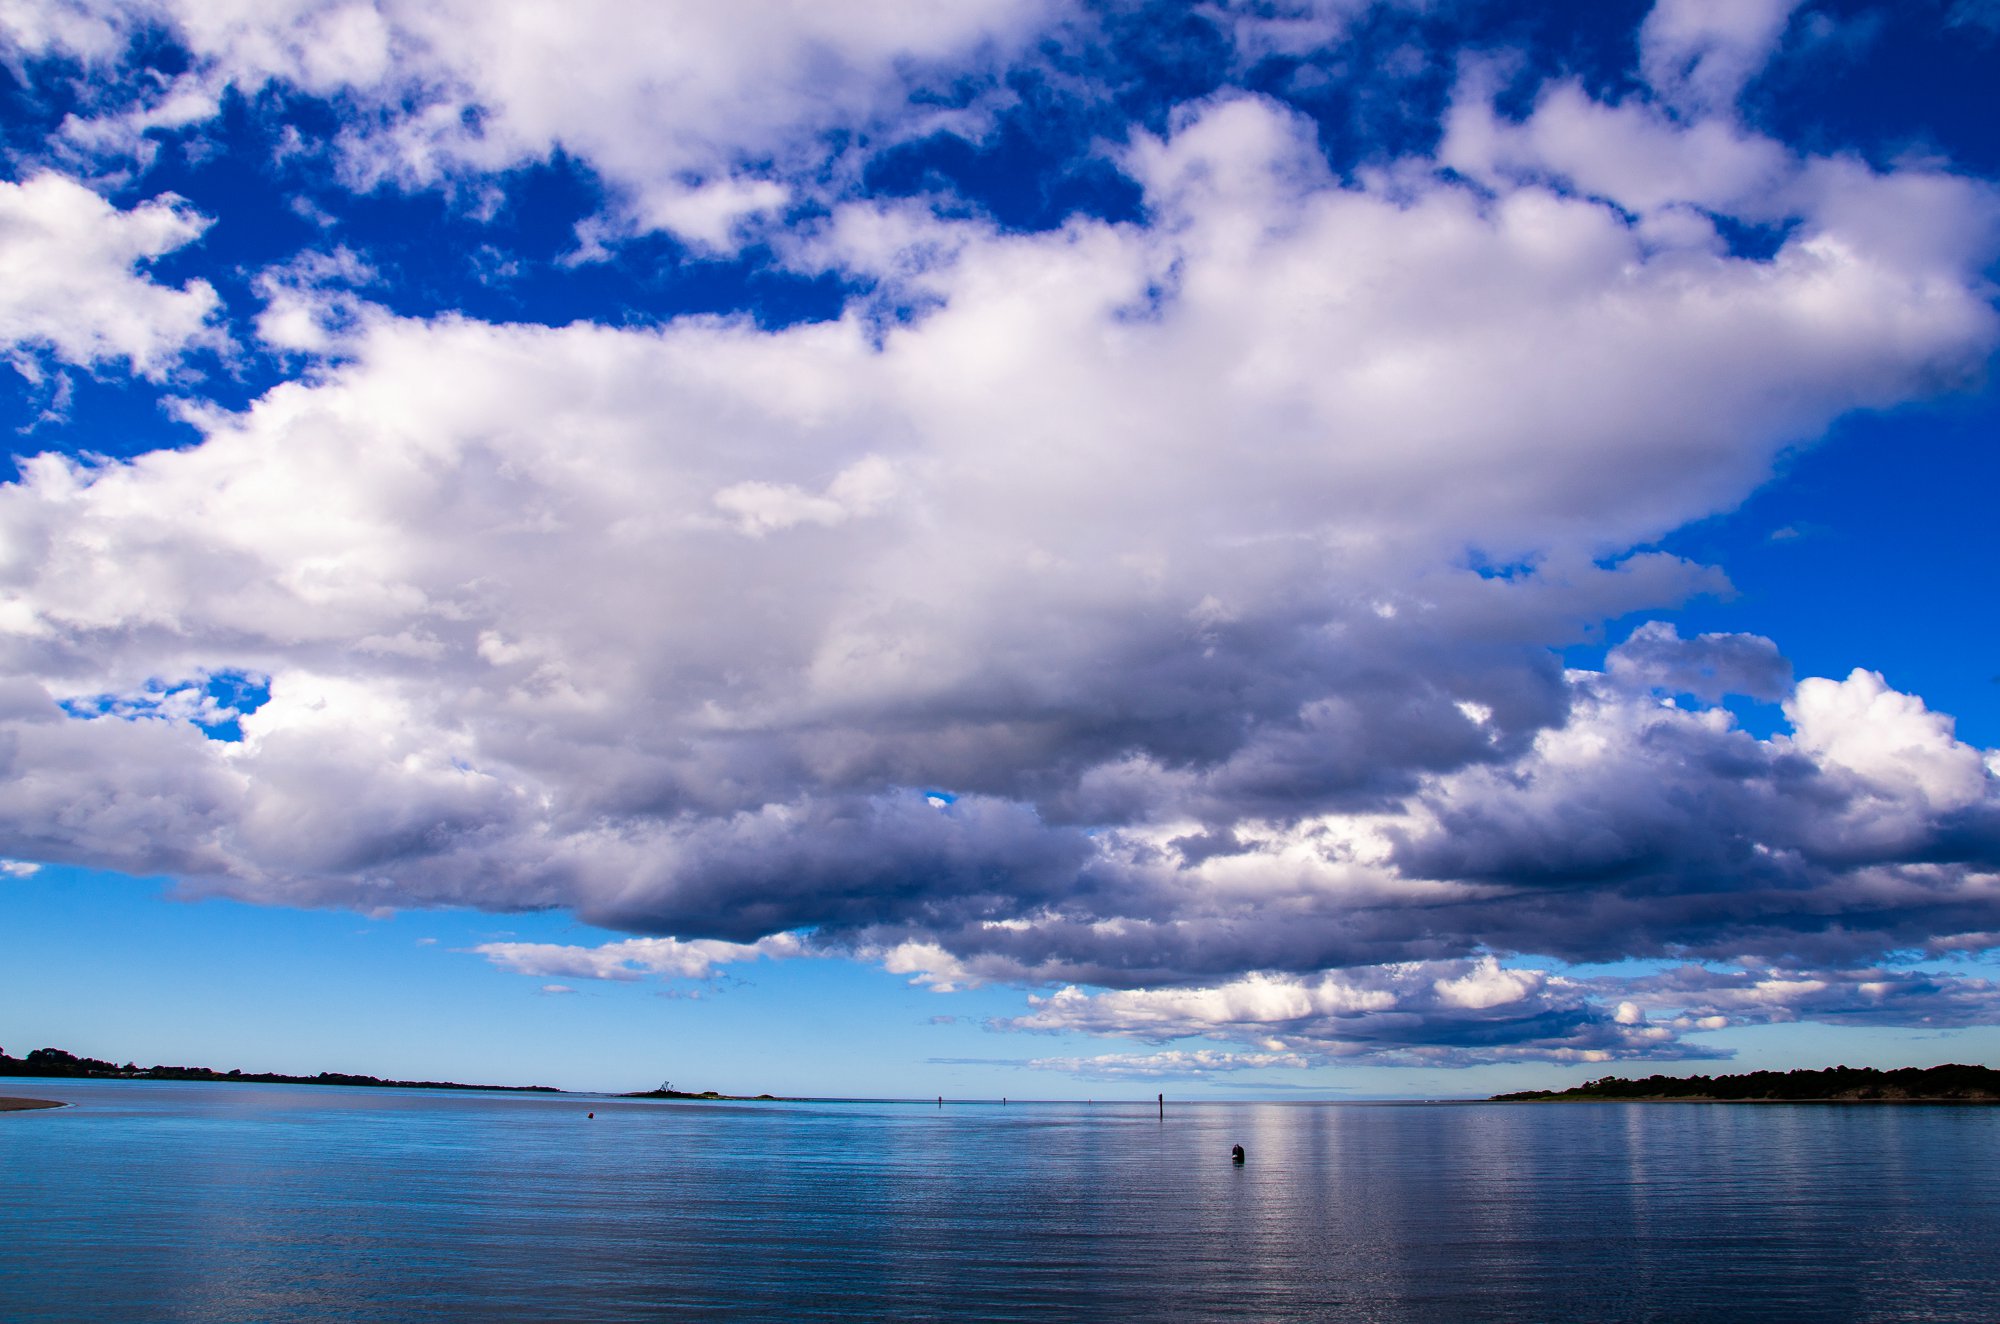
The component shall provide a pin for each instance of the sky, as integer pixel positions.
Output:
(1280, 548)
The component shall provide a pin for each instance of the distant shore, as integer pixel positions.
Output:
(1951, 1083)
(55, 1064)
(9, 1104)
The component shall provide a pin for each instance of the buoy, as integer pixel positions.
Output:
(1236, 1153)
(591, 1114)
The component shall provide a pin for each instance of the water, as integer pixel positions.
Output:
(162, 1201)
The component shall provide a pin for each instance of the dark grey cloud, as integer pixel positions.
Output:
(1870, 996)
(1708, 667)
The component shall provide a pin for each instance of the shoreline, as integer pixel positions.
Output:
(14, 1104)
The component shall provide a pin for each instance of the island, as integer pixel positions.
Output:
(55, 1063)
(1951, 1083)
(706, 1096)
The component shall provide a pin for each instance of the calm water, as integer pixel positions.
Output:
(155, 1201)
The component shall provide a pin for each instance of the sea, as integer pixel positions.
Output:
(210, 1202)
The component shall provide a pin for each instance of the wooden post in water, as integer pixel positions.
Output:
(1163, 1107)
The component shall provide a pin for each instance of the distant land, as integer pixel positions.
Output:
(57, 1063)
(1952, 1083)
(708, 1095)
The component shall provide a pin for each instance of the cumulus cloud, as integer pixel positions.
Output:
(1458, 1013)
(1478, 1012)
(675, 626)
(1167, 607)
(73, 283)
(603, 604)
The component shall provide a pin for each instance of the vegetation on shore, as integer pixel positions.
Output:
(57, 1063)
(709, 1096)
(1951, 1083)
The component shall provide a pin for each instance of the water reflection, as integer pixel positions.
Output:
(211, 1202)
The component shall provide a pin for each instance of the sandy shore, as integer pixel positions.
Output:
(11, 1105)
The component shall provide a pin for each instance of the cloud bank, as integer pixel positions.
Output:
(1164, 606)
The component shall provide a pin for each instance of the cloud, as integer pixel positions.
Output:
(696, 118)
(1656, 657)
(1698, 995)
(670, 626)
(1168, 606)
(1639, 813)
(1700, 53)
(632, 958)
(1467, 1013)
(73, 284)
(310, 304)
(1457, 1013)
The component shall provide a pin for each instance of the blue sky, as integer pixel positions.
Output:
(1254, 548)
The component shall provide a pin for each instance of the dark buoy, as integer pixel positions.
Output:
(590, 1115)
(1236, 1154)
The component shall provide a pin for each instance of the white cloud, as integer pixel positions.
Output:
(633, 958)
(1439, 1013)
(1633, 153)
(310, 304)
(1895, 745)
(1701, 53)
(1261, 28)
(691, 112)
(73, 283)
(1176, 565)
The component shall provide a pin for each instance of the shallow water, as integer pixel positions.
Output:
(169, 1201)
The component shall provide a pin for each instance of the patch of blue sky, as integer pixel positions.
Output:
(1812, 1046)
(1857, 555)
(1885, 81)
(304, 991)
(216, 703)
